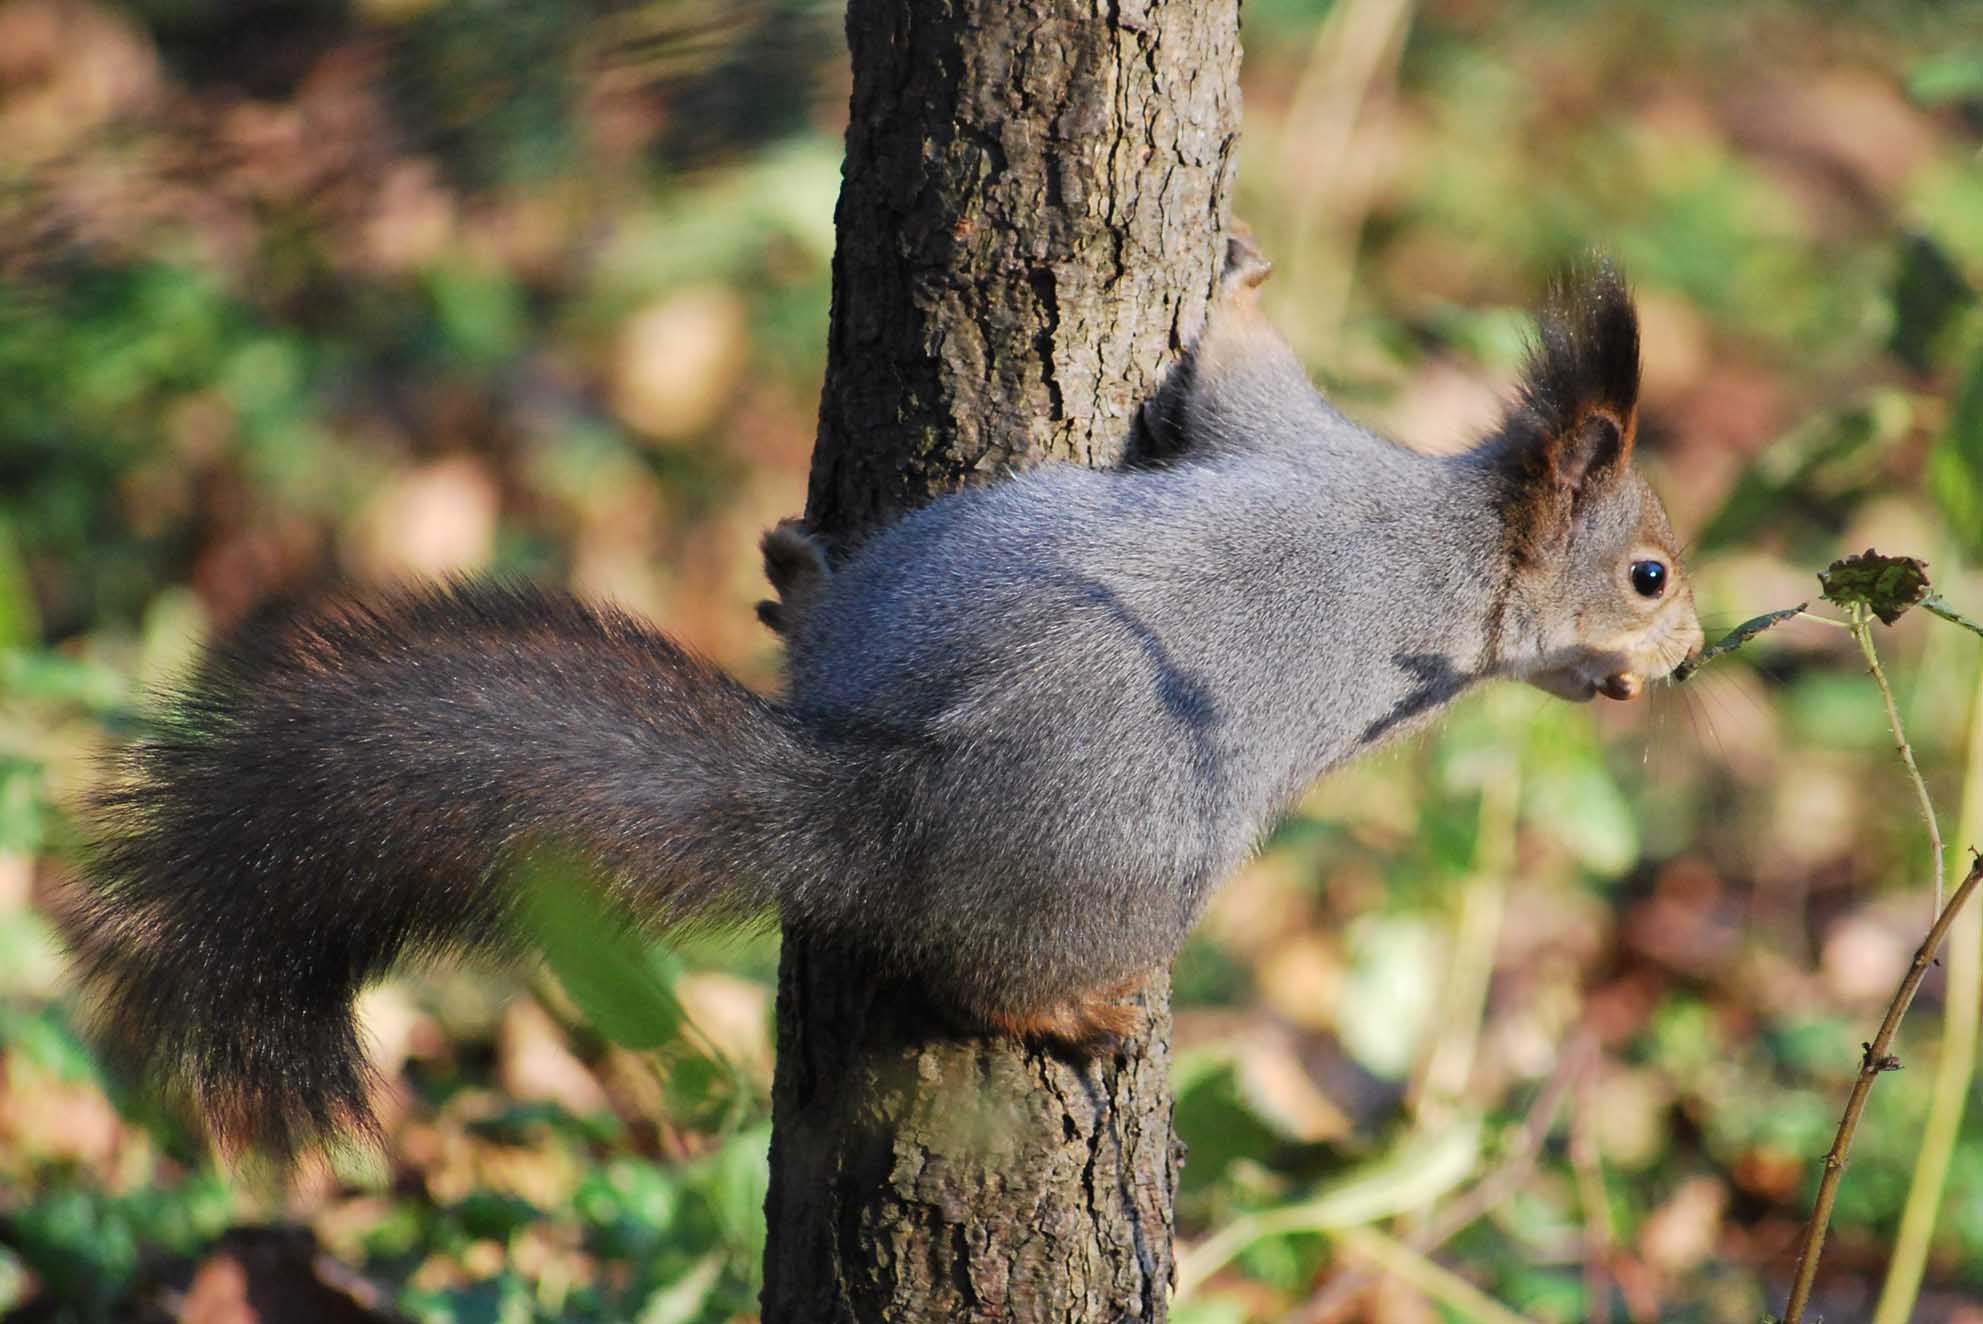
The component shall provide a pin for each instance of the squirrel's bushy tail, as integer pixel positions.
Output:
(342, 787)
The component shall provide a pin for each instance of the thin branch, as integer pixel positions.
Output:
(1862, 634)
(1934, 603)
(1874, 1061)
(1954, 1066)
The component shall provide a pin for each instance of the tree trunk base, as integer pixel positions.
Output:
(922, 1177)
(1031, 222)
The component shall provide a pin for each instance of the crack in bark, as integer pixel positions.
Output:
(1047, 344)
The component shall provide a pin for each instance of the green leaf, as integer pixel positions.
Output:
(56, 678)
(601, 961)
(518, 1123)
(630, 1208)
(504, 1299)
(44, 1037)
(1389, 999)
(734, 1181)
(1947, 76)
(1934, 603)
(1421, 1169)
(494, 1215)
(78, 1246)
(32, 961)
(1210, 1310)
(685, 1300)
(480, 312)
(22, 811)
(1929, 290)
(1582, 807)
(1214, 1119)
(1734, 639)
(1887, 585)
(20, 623)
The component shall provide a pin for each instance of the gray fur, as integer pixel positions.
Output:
(1117, 682)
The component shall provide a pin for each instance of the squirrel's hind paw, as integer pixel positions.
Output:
(1087, 1025)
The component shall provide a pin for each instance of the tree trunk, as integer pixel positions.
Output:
(1034, 196)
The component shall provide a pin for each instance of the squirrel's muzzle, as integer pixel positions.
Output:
(1621, 685)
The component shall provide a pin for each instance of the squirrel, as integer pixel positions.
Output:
(1028, 728)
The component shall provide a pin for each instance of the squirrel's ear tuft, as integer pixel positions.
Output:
(1573, 421)
(1586, 356)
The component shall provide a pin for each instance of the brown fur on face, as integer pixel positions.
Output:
(1576, 415)
(1578, 518)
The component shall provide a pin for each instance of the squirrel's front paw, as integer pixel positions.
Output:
(1245, 267)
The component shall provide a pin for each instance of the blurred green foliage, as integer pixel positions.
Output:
(380, 288)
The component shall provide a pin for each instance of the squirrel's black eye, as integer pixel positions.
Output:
(1649, 578)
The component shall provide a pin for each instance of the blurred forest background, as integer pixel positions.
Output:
(301, 290)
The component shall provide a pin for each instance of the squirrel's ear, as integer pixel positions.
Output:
(1570, 431)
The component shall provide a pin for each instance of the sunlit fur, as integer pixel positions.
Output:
(1028, 729)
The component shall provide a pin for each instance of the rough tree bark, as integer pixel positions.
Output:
(1029, 225)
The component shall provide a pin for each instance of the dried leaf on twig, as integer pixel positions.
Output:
(1888, 585)
(1734, 639)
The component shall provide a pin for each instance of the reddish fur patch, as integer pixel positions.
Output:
(1089, 1022)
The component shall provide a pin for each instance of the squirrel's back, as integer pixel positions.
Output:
(1226, 612)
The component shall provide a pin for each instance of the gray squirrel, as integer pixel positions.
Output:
(1028, 728)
